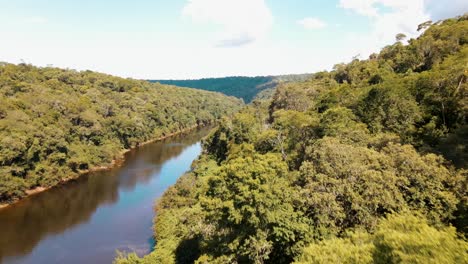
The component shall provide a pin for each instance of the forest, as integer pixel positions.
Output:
(366, 163)
(246, 88)
(56, 123)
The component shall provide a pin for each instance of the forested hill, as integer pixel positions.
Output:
(246, 88)
(56, 123)
(342, 168)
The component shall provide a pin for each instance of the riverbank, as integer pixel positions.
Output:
(113, 208)
(120, 158)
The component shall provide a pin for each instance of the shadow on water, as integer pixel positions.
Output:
(26, 224)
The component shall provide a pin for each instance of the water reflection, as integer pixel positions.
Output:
(83, 213)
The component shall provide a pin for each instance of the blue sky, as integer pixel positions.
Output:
(156, 39)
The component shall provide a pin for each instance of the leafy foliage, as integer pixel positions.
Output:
(57, 123)
(398, 239)
(251, 205)
(365, 164)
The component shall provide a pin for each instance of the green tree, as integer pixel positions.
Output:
(250, 204)
(404, 238)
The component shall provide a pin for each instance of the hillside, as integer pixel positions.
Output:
(246, 88)
(363, 164)
(55, 124)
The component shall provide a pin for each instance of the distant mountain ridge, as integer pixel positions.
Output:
(246, 88)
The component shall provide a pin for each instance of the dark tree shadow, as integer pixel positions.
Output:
(188, 251)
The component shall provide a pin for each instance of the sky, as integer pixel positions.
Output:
(189, 39)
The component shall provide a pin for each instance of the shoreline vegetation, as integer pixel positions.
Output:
(363, 164)
(56, 124)
(115, 163)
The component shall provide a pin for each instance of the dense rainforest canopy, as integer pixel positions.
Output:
(57, 123)
(247, 88)
(363, 164)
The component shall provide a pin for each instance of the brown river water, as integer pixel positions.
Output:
(87, 220)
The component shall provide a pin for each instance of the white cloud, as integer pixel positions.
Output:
(388, 18)
(242, 21)
(36, 20)
(362, 7)
(235, 41)
(371, 8)
(400, 14)
(312, 23)
(445, 9)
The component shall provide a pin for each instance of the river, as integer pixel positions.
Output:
(87, 220)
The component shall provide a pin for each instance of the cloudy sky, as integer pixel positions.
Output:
(178, 39)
